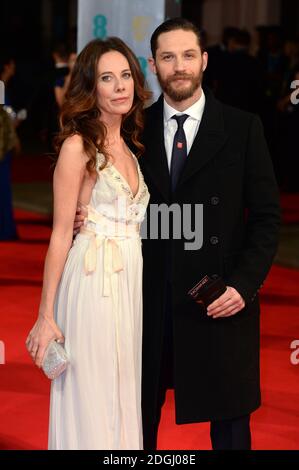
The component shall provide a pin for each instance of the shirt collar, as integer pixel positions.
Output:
(195, 111)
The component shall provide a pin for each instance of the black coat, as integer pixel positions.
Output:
(229, 171)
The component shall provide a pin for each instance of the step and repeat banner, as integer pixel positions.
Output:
(131, 20)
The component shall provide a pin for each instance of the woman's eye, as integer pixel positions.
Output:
(127, 75)
(106, 78)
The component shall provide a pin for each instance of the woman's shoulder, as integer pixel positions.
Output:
(74, 141)
(72, 150)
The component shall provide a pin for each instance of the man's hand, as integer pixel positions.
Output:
(227, 304)
(79, 220)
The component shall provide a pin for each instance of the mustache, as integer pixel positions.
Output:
(180, 76)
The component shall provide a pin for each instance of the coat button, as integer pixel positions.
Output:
(215, 200)
(214, 240)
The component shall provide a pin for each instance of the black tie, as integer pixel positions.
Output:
(179, 150)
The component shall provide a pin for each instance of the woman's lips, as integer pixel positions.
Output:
(120, 100)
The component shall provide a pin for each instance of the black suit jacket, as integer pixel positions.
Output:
(229, 172)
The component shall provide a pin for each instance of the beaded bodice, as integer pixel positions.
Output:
(112, 198)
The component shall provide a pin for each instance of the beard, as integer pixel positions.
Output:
(180, 94)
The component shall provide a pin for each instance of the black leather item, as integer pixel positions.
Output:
(179, 150)
(207, 290)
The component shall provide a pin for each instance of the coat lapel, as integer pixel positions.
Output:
(209, 139)
(155, 160)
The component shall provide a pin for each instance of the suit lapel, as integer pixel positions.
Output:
(209, 139)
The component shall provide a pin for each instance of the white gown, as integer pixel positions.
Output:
(96, 402)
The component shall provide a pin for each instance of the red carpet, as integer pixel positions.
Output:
(24, 391)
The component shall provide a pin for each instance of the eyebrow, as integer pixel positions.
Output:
(125, 70)
(171, 52)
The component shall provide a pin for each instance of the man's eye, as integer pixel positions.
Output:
(189, 56)
(167, 57)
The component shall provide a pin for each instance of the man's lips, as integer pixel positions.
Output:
(180, 79)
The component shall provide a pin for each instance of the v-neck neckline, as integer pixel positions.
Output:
(125, 180)
(121, 176)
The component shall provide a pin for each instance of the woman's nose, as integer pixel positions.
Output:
(120, 85)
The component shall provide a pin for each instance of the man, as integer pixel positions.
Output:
(216, 156)
(55, 82)
(238, 75)
(210, 357)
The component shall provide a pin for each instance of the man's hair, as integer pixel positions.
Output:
(229, 32)
(172, 25)
(243, 38)
(6, 57)
(62, 50)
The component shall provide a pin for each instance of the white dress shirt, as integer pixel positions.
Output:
(191, 125)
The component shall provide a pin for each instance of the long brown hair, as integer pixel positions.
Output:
(80, 113)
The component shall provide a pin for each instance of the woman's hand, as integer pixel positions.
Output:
(43, 332)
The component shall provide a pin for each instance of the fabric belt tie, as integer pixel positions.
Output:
(113, 262)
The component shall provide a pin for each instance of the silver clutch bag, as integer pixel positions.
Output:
(55, 360)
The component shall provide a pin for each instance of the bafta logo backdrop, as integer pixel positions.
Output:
(131, 20)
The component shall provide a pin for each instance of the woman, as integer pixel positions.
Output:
(61, 84)
(9, 144)
(92, 291)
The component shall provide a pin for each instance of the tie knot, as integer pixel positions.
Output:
(180, 119)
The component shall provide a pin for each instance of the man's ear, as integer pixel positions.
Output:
(152, 64)
(205, 60)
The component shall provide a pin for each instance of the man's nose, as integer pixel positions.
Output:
(179, 64)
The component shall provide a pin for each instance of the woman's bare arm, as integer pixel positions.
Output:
(68, 178)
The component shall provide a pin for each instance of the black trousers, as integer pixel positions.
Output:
(231, 434)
